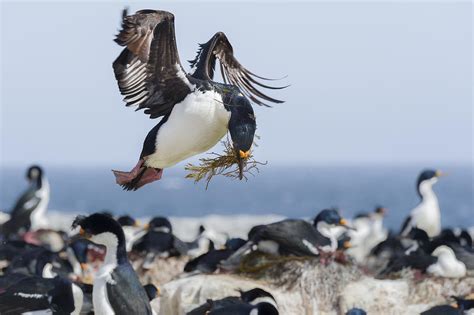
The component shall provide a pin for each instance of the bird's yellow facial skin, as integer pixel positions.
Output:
(440, 173)
(347, 244)
(243, 154)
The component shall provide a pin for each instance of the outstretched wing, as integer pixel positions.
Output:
(219, 47)
(148, 71)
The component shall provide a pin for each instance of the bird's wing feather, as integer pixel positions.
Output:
(405, 227)
(148, 71)
(125, 293)
(281, 233)
(26, 203)
(29, 294)
(219, 47)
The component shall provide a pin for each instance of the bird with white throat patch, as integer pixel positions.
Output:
(117, 289)
(426, 215)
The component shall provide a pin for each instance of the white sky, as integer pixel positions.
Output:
(370, 82)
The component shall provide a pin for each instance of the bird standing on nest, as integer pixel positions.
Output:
(196, 111)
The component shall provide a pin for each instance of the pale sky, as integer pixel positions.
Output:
(370, 82)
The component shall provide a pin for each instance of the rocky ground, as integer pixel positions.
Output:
(304, 286)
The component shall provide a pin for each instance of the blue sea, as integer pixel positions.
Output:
(296, 191)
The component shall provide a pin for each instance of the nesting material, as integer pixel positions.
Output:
(225, 164)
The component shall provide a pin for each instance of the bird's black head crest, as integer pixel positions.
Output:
(98, 223)
(77, 221)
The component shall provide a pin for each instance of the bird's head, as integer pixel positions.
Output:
(34, 173)
(242, 126)
(330, 217)
(427, 178)
(379, 210)
(100, 229)
(127, 220)
(160, 224)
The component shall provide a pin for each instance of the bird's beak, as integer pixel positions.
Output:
(242, 156)
(146, 226)
(84, 266)
(440, 173)
(346, 245)
(343, 222)
(137, 223)
(84, 234)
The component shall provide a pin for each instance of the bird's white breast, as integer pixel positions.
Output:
(100, 299)
(37, 216)
(427, 216)
(194, 126)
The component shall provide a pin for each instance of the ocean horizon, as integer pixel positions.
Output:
(296, 191)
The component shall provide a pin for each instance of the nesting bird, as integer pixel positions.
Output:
(294, 237)
(252, 302)
(196, 111)
(426, 215)
(159, 241)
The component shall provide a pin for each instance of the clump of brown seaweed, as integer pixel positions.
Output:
(225, 164)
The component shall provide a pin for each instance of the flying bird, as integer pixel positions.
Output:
(196, 112)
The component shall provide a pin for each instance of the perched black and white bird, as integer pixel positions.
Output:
(197, 112)
(426, 215)
(117, 289)
(42, 296)
(30, 208)
(252, 302)
(159, 241)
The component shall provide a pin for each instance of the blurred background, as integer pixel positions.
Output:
(379, 91)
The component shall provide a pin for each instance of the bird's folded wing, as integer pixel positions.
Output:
(232, 71)
(148, 71)
(27, 295)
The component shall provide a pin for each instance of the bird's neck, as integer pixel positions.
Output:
(326, 230)
(426, 192)
(115, 248)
